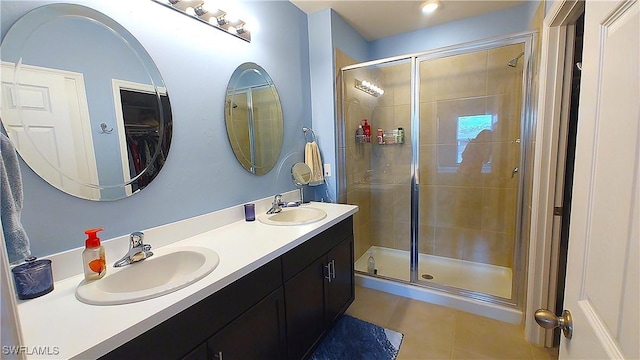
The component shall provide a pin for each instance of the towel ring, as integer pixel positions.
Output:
(313, 135)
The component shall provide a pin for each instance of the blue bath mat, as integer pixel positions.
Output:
(353, 339)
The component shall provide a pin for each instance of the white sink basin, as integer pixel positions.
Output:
(294, 216)
(168, 270)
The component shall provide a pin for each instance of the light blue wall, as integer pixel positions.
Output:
(322, 106)
(509, 21)
(347, 39)
(327, 30)
(201, 173)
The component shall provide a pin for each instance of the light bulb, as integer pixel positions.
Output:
(430, 6)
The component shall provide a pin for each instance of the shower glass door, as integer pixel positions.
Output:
(470, 114)
(378, 169)
(443, 192)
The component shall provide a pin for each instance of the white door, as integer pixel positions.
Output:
(47, 119)
(603, 280)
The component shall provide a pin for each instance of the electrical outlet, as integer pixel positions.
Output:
(327, 170)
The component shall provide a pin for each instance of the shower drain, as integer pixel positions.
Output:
(427, 277)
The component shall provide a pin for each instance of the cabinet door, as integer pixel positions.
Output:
(199, 353)
(259, 333)
(305, 308)
(341, 290)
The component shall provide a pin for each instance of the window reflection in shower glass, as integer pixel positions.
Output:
(468, 129)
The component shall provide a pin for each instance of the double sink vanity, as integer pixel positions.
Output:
(239, 290)
(216, 285)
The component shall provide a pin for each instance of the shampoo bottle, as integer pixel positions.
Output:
(367, 130)
(93, 259)
(359, 134)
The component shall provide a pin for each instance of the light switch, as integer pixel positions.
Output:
(327, 170)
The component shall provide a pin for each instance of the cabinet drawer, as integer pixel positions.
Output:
(304, 254)
(182, 333)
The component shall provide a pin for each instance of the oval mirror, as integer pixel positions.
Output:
(301, 173)
(253, 117)
(83, 102)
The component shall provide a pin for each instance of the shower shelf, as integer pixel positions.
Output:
(391, 143)
(381, 144)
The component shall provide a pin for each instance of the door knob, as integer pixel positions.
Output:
(549, 320)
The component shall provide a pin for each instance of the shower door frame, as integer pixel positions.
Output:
(528, 120)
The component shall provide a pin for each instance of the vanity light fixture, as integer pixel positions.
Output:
(368, 87)
(430, 6)
(217, 18)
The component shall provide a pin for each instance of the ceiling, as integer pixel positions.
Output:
(376, 19)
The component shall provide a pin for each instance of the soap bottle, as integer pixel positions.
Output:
(371, 264)
(93, 259)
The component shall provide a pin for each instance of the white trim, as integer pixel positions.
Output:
(552, 66)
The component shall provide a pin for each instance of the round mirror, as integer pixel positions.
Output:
(253, 117)
(301, 173)
(83, 102)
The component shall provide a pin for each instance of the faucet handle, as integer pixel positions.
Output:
(136, 239)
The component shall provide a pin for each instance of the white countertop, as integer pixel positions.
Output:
(58, 326)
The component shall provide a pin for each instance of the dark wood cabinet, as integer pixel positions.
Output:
(340, 290)
(198, 353)
(306, 323)
(259, 333)
(318, 294)
(279, 311)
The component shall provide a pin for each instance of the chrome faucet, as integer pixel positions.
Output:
(278, 204)
(138, 250)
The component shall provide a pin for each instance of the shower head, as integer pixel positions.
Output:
(514, 62)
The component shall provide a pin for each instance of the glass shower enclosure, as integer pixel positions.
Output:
(443, 182)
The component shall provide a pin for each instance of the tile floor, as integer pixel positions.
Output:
(436, 332)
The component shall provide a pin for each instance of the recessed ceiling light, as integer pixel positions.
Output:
(430, 6)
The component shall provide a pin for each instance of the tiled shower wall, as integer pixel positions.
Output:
(469, 216)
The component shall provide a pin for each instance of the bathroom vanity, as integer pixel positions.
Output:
(278, 311)
(276, 291)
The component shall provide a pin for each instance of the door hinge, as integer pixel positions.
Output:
(557, 211)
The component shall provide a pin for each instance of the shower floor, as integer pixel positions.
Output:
(483, 278)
